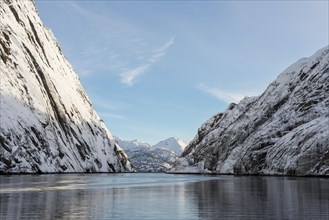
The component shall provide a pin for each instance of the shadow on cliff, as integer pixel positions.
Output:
(27, 133)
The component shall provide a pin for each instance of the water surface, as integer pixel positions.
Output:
(162, 196)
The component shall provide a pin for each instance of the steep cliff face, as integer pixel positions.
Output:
(283, 131)
(47, 122)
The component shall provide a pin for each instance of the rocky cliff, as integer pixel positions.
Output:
(47, 122)
(284, 131)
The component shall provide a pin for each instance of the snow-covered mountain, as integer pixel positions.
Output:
(47, 122)
(148, 158)
(283, 131)
(173, 144)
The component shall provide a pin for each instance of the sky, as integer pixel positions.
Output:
(160, 69)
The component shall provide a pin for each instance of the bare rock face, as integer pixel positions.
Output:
(285, 131)
(47, 121)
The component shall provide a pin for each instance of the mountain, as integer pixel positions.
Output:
(47, 122)
(173, 144)
(285, 131)
(148, 158)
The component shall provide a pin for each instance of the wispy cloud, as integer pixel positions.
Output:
(128, 77)
(121, 48)
(76, 8)
(160, 52)
(166, 45)
(224, 96)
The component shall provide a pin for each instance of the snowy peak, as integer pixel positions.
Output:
(173, 144)
(133, 144)
(47, 121)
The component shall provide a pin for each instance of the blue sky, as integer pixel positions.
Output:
(157, 69)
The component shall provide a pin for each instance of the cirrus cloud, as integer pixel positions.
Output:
(224, 96)
(129, 76)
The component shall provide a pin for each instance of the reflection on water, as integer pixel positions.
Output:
(162, 196)
(264, 197)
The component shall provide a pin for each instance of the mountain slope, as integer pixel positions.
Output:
(173, 144)
(283, 131)
(148, 158)
(47, 121)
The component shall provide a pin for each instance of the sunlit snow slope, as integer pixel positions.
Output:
(47, 121)
(284, 131)
(173, 144)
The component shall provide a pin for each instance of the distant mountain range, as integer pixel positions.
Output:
(284, 131)
(157, 158)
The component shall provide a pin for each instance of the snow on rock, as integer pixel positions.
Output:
(173, 144)
(147, 158)
(186, 165)
(47, 121)
(285, 131)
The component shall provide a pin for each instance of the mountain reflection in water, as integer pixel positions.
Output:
(162, 196)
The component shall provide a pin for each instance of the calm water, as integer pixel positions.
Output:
(162, 196)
